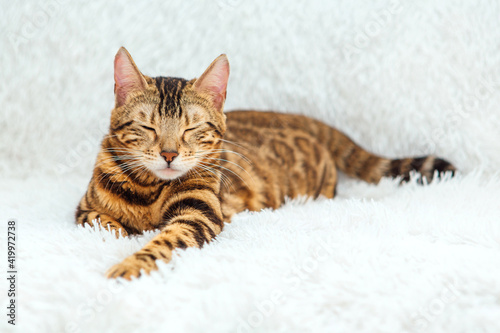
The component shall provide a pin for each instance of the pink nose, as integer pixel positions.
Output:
(169, 156)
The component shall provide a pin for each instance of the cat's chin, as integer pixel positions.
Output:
(168, 173)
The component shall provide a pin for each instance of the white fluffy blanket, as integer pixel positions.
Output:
(400, 77)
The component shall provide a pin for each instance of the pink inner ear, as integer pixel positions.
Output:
(127, 77)
(214, 81)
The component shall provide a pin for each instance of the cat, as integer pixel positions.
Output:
(174, 161)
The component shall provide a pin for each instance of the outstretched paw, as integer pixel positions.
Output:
(131, 267)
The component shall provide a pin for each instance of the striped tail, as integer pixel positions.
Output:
(357, 162)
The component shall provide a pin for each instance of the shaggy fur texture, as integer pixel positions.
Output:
(401, 78)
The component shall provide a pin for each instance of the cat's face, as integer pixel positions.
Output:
(166, 126)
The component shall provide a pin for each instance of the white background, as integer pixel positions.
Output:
(400, 77)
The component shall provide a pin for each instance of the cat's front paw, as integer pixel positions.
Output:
(119, 232)
(131, 267)
(115, 228)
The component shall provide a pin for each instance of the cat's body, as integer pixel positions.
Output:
(173, 162)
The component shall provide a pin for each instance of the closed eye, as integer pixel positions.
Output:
(190, 129)
(151, 130)
(148, 128)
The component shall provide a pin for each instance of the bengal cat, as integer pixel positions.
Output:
(174, 161)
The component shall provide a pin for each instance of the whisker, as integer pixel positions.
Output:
(211, 151)
(233, 143)
(121, 150)
(224, 168)
(235, 164)
(115, 159)
(223, 178)
(122, 169)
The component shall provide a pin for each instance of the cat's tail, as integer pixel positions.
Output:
(354, 161)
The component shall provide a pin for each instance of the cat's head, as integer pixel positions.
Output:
(167, 126)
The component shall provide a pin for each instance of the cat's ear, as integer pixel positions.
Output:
(214, 81)
(128, 78)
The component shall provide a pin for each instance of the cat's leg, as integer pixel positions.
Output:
(94, 218)
(191, 219)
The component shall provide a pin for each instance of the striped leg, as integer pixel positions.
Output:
(191, 219)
